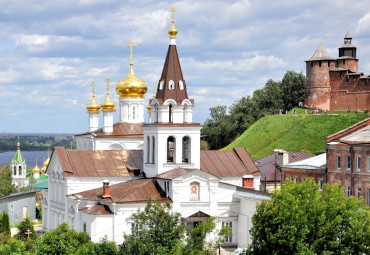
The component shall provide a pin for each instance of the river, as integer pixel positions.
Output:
(29, 156)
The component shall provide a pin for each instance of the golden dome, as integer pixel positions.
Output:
(108, 105)
(46, 162)
(36, 169)
(131, 85)
(93, 107)
(173, 31)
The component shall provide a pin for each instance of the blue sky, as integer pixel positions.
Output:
(50, 51)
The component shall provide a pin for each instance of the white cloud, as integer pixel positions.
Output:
(363, 25)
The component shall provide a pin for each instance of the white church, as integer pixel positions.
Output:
(97, 187)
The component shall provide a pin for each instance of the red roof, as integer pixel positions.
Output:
(99, 163)
(136, 191)
(236, 162)
(171, 71)
(97, 210)
(267, 164)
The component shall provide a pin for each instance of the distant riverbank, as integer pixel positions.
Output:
(29, 156)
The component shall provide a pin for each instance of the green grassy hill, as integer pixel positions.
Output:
(301, 132)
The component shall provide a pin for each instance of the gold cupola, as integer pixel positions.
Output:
(36, 169)
(173, 31)
(93, 107)
(108, 105)
(131, 85)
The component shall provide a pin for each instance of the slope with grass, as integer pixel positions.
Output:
(301, 132)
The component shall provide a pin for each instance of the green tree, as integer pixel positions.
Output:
(23, 228)
(13, 247)
(156, 230)
(301, 219)
(293, 86)
(6, 186)
(61, 240)
(105, 247)
(5, 224)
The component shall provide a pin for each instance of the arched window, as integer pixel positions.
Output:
(181, 85)
(148, 149)
(171, 85)
(15, 170)
(153, 149)
(161, 85)
(20, 170)
(170, 113)
(171, 151)
(185, 149)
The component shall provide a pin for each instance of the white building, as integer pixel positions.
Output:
(97, 191)
(19, 168)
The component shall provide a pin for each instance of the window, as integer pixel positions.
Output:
(171, 149)
(368, 164)
(328, 63)
(338, 161)
(171, 85)
(181, 85)
(368, 197)
(321, 184)
(20, 170)
(153, 149)
(134, 229)
(228, 239)
(84, 227)
(319, 63)
(349, 191)
(185, 149)
(161, 85)
(348, 162)
(359, 192)
(296, 179)
(170, 113)
(166, 187)
(148, 150)
(15, 170)
(133, 112)
(358, 164)
(12, 207)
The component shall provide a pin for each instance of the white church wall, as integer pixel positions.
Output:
(118, 143)
(85, 142)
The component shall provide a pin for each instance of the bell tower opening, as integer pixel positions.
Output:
(171, 143)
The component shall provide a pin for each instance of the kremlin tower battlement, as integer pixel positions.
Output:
(336, 84)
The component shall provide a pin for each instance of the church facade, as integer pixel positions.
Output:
(336, 84)
(97, 189)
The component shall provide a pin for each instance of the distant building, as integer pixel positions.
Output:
(314, 167)
(18, 166)
(19, 206)
(269, 167)
(349, 159)
(336, 84)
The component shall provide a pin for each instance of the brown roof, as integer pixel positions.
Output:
(174, 173)
(135, 191)
(171, 71)
(97, 209)
(99, 163)
(267, 164)
(129, 130)
(170, 124)
(347, 131)
(236, 162)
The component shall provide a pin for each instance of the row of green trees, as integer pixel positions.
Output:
(156, 230)
(6, 186)
(225, 124)
(32, 144)
(301, 219)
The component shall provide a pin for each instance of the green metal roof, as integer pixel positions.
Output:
(43, 177)
(41, 185)
(18, 158)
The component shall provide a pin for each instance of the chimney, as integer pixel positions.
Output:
(106, 189)
(281, 157)
(248, 181)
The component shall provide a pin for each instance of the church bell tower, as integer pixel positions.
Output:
(171, 139)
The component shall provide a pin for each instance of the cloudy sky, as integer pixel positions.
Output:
(51, 51)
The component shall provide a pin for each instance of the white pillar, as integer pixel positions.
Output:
(107, 122)
(93, 121)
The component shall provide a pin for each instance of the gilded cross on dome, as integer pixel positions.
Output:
(131, 44)
(154, 85)
(173, 14)
(107, 82)
(93, 84)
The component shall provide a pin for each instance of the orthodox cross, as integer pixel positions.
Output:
(28, 232)
(107, 82)
(93, 84)
(131, 44)
(154, 85)
(173, 14)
